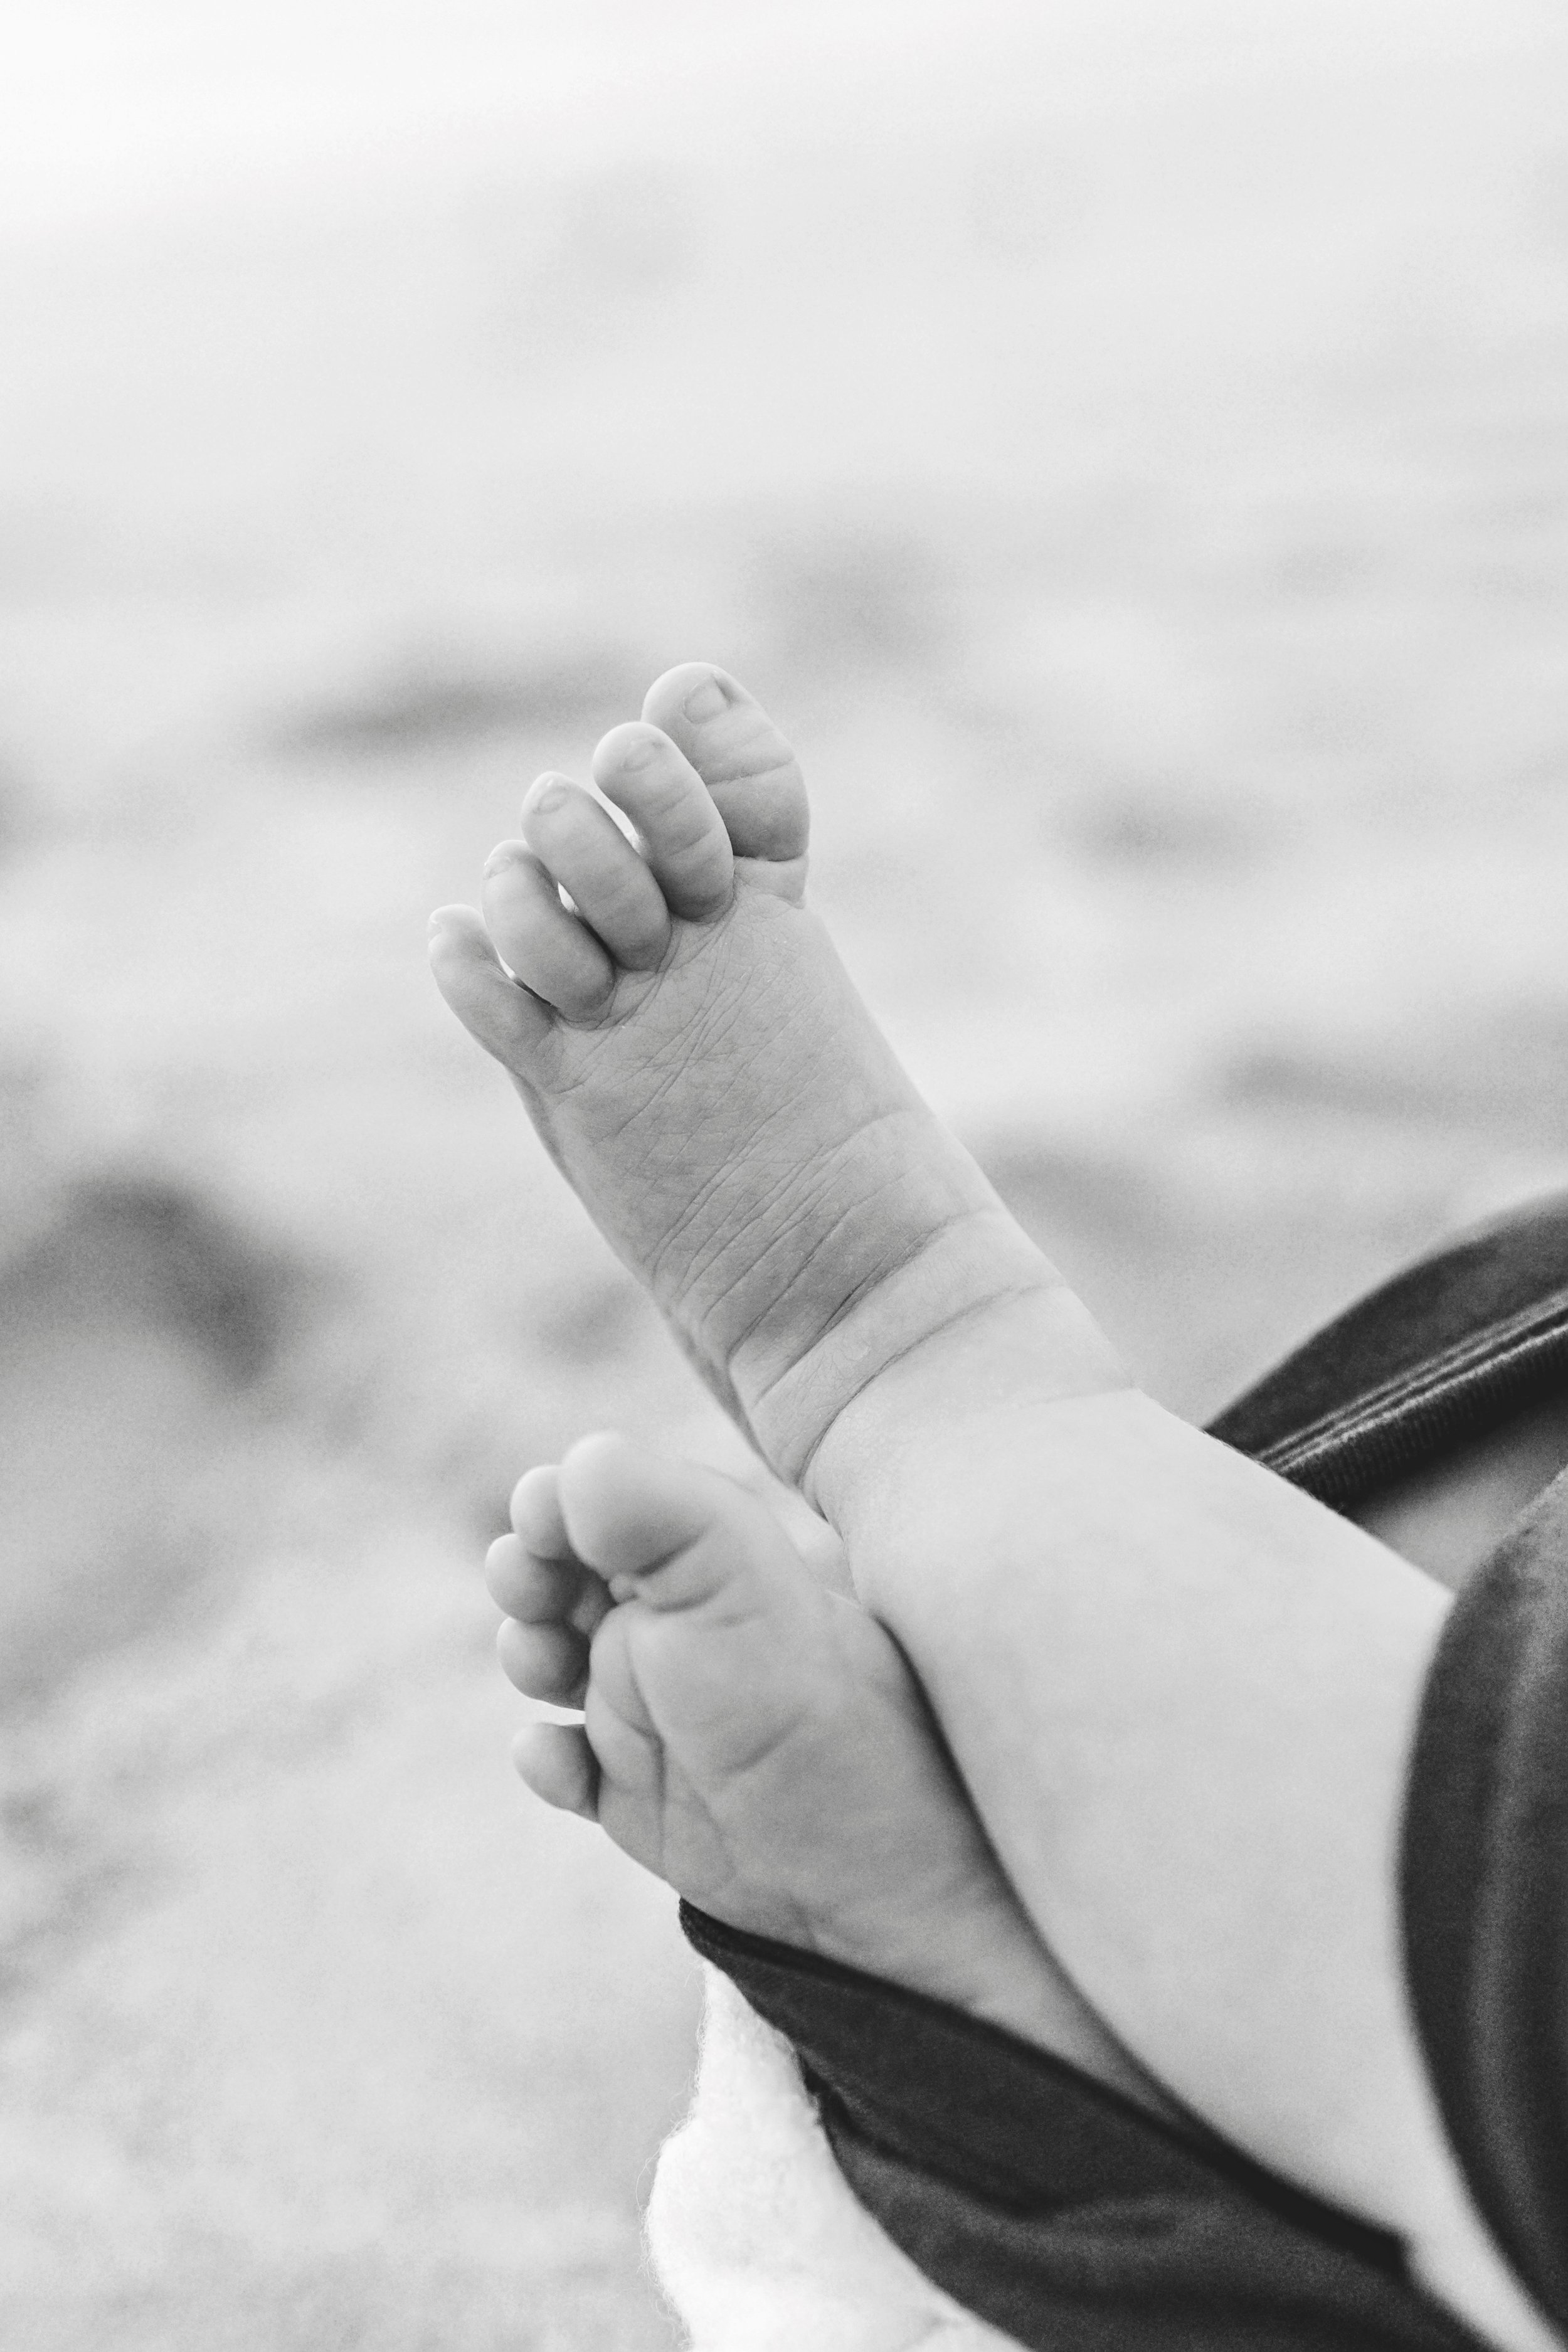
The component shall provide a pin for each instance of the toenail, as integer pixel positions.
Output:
(549, 793)
(707, 700)
(640, 751)
(504, 856)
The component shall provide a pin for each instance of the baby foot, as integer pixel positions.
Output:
(696, 1059)
(759, 1742)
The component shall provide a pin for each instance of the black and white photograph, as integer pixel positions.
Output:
(784, 1232)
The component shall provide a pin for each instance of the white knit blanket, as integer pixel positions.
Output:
(756, 2237)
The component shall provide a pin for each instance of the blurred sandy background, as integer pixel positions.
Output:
(1126, 445)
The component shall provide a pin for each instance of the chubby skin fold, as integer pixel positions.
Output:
(1126, 1631)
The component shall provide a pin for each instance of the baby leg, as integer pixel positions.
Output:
(1179, 1692)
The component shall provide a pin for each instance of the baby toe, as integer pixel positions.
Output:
(542, 940)
(673, 1533)
(505, 1020)
(581, 845)
(557, 1763)
(534, 1510)
(749, 768)
(537, 1591)
(544, 1662)
(681, 832)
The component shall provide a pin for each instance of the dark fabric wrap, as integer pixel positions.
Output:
(1447, 1350)
(1049, 2205)
(1486, 1891)
(1067, 2217)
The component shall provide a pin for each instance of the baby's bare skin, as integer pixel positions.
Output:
(732, 1707)
(713, 1086)
(714, 1089)
(1159, 1669)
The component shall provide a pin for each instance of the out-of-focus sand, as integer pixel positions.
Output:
(1128, 450)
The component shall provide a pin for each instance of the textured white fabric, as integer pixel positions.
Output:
(756, 2237)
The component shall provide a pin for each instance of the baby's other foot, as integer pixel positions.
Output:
(699, 1063)
(760, 1743)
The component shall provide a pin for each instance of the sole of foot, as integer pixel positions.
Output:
(701, 1066)
(758, 1742)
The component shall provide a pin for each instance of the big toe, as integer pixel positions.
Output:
(750, 770)
(675, 1534)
